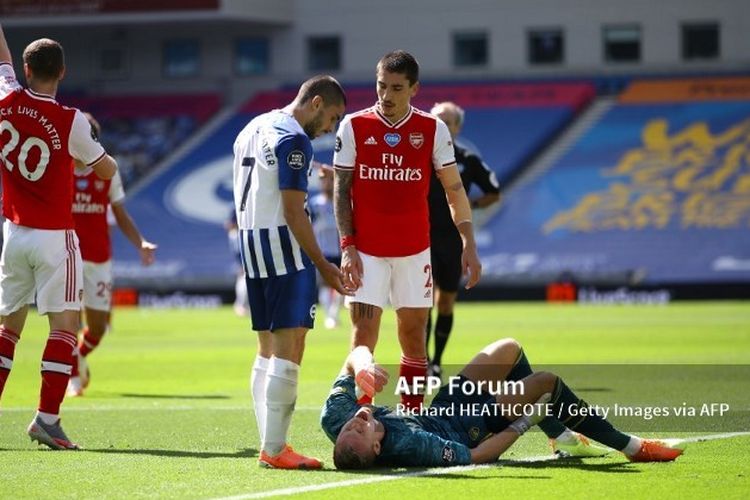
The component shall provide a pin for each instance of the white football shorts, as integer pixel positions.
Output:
(97, 285)
(405, 281)
(45, 262)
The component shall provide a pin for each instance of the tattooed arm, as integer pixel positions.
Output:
(461, 214)
(351, 263)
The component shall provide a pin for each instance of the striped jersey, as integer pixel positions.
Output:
(271, 153)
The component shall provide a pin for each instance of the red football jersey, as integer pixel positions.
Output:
(392, 164)
(38, 139)
(92, 197)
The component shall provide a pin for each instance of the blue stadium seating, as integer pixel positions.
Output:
(657, 193)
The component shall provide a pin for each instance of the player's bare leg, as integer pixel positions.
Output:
(288, 346)
(494, 362)
(411, 336)
(365, 329)
(97, 323)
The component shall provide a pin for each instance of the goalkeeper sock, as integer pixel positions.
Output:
(258, 381)
(551, 426)
(281, 395)
(592, 426)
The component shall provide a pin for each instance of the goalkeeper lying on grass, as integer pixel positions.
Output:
(479, 428)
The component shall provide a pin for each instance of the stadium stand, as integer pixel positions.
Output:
(187, 203)
(655, 193)
(141, 130)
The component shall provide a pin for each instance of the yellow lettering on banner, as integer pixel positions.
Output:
(691, 177)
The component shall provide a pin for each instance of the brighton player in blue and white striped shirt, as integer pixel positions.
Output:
(272, 162)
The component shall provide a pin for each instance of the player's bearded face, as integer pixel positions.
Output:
(394, 94)
(324, 120)
(314, 127)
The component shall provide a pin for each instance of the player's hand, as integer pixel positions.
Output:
(334, 278)
(351, 266)
(371, 379)
(147, 252)
(470, 266)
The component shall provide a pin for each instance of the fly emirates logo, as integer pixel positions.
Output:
(84, 204)
(392, 169)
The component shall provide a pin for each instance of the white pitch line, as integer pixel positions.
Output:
(429, 472)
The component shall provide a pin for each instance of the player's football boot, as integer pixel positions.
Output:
(288, 459)
(75, 387)
(581, 448)
(653, 450)
(51, 435)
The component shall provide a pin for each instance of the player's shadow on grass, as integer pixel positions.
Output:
(172, 396)
(243, 453)
(573, 463)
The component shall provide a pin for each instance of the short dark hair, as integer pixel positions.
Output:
(325, 86)
(45, 58)
(401, 62)
(345, 458)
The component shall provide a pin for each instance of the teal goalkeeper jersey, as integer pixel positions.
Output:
(423, 441)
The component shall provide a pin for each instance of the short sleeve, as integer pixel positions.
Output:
(480, 174)
(442, 152)
(8, 81)
(116, 191)
(345, 150)
(340, 406)
(294, 154)
(82, 143)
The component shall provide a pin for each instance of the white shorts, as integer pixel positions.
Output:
(97, 285)
(406, 281)
(45, 262)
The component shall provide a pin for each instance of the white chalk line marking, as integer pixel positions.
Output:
(429, 472)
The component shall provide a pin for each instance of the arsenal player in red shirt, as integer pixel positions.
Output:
(39, 139)
(384, 156)
(92, 196)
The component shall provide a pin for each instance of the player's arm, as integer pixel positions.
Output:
(5, 56)
(351, 262)
(127, 225)
(296, 217)
(491, 448)
(344, 157)
(458, 203)
(84, 146)
(482, 176)
(106, 167)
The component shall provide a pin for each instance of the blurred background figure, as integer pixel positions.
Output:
(445, 240)
(324, 225)
(240, 306)
(93, 198)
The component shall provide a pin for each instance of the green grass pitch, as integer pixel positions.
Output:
(169, 414)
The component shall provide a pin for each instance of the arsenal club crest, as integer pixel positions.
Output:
(416, 139)
(99, 185)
